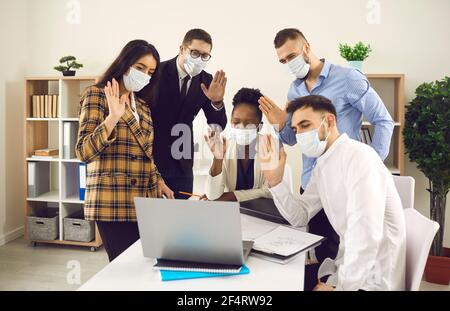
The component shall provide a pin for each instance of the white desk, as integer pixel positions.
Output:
(132, 271)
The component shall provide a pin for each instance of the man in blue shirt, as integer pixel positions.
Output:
(351, 94)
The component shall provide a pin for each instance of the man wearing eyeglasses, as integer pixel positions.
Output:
(185, 89)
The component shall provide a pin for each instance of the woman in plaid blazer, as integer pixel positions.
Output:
(115, 140)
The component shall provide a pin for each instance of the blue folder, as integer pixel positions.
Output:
(169, 275)
(82, 180)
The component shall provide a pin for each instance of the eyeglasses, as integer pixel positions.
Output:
(196, 54)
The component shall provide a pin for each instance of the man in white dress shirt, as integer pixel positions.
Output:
(358, 195)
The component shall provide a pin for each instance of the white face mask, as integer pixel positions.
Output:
(310, 143)
(298, 67)
(136, 80)
(243, 136)
(193, 66)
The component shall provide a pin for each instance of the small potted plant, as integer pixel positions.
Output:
(355, 55)
(67, 63)
(427, 141)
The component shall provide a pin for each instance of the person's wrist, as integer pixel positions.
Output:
(282, 123)
(274, 182)
(217, 103)
(113, 118)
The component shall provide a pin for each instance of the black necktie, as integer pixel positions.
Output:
(183, 91)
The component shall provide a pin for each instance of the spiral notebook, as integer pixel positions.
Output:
(183, 275)
(175, 265)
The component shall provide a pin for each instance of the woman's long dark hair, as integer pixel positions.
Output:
(129, 55)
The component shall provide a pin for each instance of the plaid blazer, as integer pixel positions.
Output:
(119, 167)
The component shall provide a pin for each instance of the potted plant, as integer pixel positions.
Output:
(68, 62)
(427, 141)
(355, 55)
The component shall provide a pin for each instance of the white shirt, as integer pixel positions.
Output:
(181, 75)
(359, 197)
(133, 108)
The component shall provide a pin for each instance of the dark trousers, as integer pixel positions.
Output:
(117, 236)
(311, 276)
(320, 225)
(178, 179)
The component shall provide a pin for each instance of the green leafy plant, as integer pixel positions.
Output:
(358, 53)
(68, 62)
(427, 141)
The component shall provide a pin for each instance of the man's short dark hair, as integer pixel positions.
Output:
(197, 34)
(316, 102)
(287, 34)
(250, 97)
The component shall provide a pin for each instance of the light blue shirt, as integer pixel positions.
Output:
(353, 97)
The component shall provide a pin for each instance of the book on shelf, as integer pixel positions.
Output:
(37, 113)
(82, 175)
(46, 110)
(46, 152)
(55, 106)
(42, 102)
(44, 106)
(38, 178)
(34, 106)
(70, 131)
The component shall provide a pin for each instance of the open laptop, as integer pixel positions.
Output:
(191, 231)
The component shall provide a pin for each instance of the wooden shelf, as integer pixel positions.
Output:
(385, 75)
(57, 78)
(48, 133)
(42, 119)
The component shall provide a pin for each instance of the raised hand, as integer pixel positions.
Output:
(272, 159)
(216, 143)
(216, 89)
(276, 116)
(116, 103)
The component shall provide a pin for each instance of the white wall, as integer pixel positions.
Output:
(13, 60)
(411, 38)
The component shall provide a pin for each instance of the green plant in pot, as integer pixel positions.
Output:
(355, 55)
(68, 63)
(427, 141)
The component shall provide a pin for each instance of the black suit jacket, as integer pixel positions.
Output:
(168, 110)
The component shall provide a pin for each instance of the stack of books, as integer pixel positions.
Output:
(44, 106)
(45, 154)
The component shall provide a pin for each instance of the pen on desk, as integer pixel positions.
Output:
(191, 194)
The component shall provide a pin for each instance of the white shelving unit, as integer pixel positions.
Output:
(48, 133)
